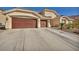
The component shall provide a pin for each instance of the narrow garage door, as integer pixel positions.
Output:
(23, 23)
(43, 23)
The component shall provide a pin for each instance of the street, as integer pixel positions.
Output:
(43, 39)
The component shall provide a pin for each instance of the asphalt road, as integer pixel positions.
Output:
(35, 40)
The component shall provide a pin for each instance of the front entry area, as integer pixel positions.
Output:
(43, 23)
(23, 23)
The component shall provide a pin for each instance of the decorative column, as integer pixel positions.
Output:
(48, 23)
(38, 23)
(8, 22)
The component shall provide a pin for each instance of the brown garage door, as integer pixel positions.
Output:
(23, 23)
(43, 23)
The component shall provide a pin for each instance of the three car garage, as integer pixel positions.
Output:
(19, 18)
(26, 23)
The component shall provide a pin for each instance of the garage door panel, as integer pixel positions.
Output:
(23, 23)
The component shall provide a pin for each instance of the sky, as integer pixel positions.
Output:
(66, 11)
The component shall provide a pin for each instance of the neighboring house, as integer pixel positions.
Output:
(67, 22)
(75, 24)
(21, 18)
(75, 21)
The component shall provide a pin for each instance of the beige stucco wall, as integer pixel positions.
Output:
(22, 14)
(2, 19)
(55, 22)
(53, 15)
(8, 22)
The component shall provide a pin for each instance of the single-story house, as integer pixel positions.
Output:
(22, 18)
(75, 21)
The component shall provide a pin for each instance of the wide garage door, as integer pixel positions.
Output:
(43, 23)
(23, 23)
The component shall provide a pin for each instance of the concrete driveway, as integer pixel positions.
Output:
(34, 40)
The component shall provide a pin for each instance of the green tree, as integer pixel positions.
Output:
(61, 25)
(76, 24)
